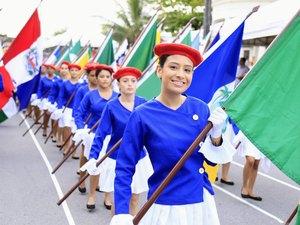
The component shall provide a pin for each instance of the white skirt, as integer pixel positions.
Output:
(204, 213)
(143, 171)
(67, 119)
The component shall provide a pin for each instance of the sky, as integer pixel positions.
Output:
(82, 19)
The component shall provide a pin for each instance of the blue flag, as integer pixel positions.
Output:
(218, 68)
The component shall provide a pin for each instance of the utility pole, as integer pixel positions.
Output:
(207, 17)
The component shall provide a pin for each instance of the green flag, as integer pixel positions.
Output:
(105, 54)
(64, 55)
(297, 221)
(149, 85)
(141, 53)
(74, 51)
(266, 106)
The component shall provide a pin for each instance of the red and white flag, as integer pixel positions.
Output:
(22, 61)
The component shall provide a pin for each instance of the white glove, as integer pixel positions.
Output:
(217, 117)
(36, 102)
(91, 167)
(57, 114)
(80, 134)
(122, 219)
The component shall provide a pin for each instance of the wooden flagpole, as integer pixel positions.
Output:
(140, 36)
(113, 148)
(56, 122)
(72, 134)
(69, 152)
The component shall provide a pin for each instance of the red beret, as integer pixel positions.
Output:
(91, 66)
(65, 62)
(51, 65)
(74, 66)
(178, 49)
(128, 71)
(105, 67)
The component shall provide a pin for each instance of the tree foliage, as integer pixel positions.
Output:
(132, 22)
(178, 13)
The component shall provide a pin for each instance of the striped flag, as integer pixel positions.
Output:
(22, 61)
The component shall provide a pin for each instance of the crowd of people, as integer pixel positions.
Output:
(82, 106)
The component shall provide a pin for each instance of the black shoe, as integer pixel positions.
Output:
(256, 198)
(78, 172)
(107, 206)
(244, 195)
(227, 182)
(75, 157)
(90, 207)
(82, 190)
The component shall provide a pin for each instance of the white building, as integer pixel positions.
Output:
(261, 27)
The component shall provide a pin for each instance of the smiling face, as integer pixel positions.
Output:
(127, 85)
(176, 74)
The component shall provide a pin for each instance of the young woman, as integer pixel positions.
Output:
(113, 121)
(53, 98)
(85, 87)
(253, 157)
(167, 125)
(67, 93)
(94, 103)
(45, 86)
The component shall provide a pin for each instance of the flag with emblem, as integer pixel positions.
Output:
(265, 105)
(23, 59)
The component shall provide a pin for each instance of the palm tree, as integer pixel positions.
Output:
(132, 22)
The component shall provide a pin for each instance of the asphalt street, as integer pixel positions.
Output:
(29, 192)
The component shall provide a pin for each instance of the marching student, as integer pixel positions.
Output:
(45, 86)
(91, 84)
(167, 125)
(113, 121)
(53, 98)
(65, 102)
(94, 102)
(36, 110)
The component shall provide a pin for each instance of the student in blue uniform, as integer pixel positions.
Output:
(53, 98)
(68, 89)
(113, 121)
(33, 98)
(94, 102)
(167, 125)
(45, 86)
(91, 84)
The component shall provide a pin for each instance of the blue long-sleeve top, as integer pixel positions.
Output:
(113, 121)
(53, 96)
(82, 90)
(65, 93)
(91, 103)
(45, 86)
(166, 134)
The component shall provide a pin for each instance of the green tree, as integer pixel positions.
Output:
(131, 22)
(179, 12)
